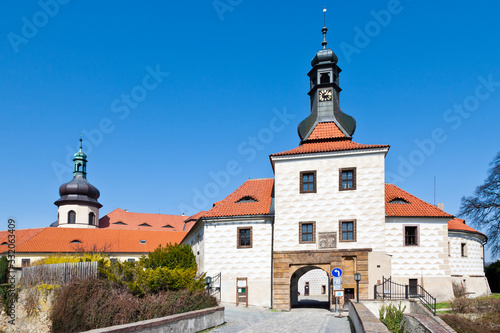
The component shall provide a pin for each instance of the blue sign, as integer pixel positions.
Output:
(336, 272)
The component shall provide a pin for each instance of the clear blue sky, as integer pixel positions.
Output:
(234, 68)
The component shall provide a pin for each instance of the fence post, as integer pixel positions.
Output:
(406, 291)
(375, 292)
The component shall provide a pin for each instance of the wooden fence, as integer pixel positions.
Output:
(58, 273)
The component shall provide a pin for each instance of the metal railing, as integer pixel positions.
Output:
(392, 290)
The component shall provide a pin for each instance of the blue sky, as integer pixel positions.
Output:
(179, 102)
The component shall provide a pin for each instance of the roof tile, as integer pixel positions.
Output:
(48, 240)
(459, 225)
(414, 208)
(327, 146)
(260, 189)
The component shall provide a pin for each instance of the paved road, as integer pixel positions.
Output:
(259, 320)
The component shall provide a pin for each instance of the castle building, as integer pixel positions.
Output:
(328, 207)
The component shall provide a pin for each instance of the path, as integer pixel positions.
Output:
(257, 320)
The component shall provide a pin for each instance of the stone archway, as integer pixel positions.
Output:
(310, 294)
(286, 263)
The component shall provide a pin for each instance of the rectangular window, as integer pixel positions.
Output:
(307, 232)
(131, 260)
(308, 182)
(464, 249)
(244, 237)
(113, 261)
(411, 235)
(25, 262)
(347, 179)
(347, 231)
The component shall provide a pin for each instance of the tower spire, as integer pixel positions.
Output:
(324, 30)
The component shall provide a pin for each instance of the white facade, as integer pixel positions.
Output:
(427, 261)
(329, 205)
(466, 257)
(81, 216)
(219, 253)
(317, 279)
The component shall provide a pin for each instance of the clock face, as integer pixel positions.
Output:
(325, 95)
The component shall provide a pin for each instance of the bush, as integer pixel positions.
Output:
(458, 289)
(463, 324)
(393, 318)
(8, 296)
(4, 269)
(170, 256)
(79, 257)
(93, 303)
(492, 272)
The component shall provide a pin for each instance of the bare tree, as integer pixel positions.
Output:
(483, 207)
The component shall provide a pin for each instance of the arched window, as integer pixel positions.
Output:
(78, 167)
(91, 218)
(324, 78)
(71, 216)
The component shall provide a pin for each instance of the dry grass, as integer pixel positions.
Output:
(474, 315)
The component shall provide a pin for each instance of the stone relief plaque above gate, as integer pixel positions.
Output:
(327, 240)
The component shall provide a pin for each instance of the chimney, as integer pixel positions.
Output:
(182, 214)
(126, 210)
(440, 205)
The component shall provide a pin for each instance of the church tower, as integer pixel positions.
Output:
(78, 205)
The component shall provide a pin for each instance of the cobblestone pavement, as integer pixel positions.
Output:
(259, 320)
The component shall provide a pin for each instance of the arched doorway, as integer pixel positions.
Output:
(310, 288)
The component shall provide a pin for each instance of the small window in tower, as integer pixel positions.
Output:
(324, 78)
(91, 218)
(79, 167)
(71, 216)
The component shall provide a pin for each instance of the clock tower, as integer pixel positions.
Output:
(324, 94)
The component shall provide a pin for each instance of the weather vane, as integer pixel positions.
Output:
(324, 16)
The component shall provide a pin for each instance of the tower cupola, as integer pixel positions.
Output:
(324, 94)
(78, 205)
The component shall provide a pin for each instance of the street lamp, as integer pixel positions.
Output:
(357, 278)
(208, 281)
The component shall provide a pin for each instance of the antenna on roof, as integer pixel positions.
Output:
(434, 190)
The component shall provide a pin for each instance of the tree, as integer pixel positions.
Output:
(483, 207)
(492, 272)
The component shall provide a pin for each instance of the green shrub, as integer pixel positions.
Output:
(141, 281)
(94, 303)
(4, 269)
(393, 318)
(170, 256)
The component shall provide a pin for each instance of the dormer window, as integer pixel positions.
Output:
(4, 243)
(144, 225)
(143, 241)
(75, 241)
(399, 201)
(167, 226)
(246, 199)
(119, 223)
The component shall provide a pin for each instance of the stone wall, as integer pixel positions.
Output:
(38, 322)
(190, 322)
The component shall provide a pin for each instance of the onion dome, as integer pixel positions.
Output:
(324, 55)
(79, 190)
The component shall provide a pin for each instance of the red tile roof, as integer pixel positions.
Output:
(259, 189)
(414, 208)
(50, 240)
(138, 221)
(459, 225)
(327, 146)
(328, 130)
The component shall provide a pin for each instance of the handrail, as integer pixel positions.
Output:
(393, 290)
